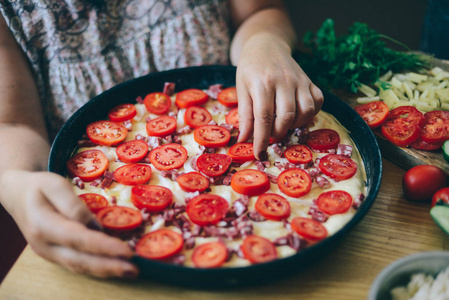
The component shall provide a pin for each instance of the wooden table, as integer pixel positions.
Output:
(393, 228)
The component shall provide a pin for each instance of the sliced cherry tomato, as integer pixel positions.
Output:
(154, 198)
(436, 127)
(94, 201)
(298, 154)
(374, 113)
(274, 140)
(334, 202)
(210, 255)
(419, 144)
(119, 218)
(207, 209)
(192, 182)
(159, 244)
(87, 165)
(228, 97)
(213, 164)
(250, 182)
(232, 118)
(421, 182)
(191, 97)
(339, 167)
(196, 116)
(133, 174)
(441, 197)
(273, 207)
(241, 152)
(294, 182)
(106, 133)
(161, 126)
(309, 229)
(323, 139)
(132, 151)
(168, 156)
(157, 103)
(212, 136)
(122, 112)
(258, 249)
(402, 127)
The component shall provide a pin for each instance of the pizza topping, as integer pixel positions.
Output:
(185, 130)
(294, 182)
(133, 174)
(323, 182)
(258, 249)
(207, 209)
(191, 97)
(214, 164)
(309, 229)
(338, 167)
(169, 88)
(87, 165)
(196, 116)
(161, 126)
(228, 97)
(108, 178)
(250, 182)
(122, 112)
(334, 202)
(358, 201)
(214, 90)
(119, 218)
(344, 150)
(168, 157)
(106, 133)
(159, 244)
(212, 136)
(323, 139)
(78, 182)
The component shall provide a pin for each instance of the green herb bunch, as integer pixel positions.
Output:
(360, 56)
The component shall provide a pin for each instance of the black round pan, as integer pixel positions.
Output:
(201, 77)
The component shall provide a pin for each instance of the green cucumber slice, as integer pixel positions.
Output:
(440, 214)
(446, 150)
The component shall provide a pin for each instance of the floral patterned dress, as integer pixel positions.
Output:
(79, 48)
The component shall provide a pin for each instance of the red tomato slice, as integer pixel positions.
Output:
(212, 136)
(119, 218)
(334, 202)
(106, 133)
(133, 174)
(294, 182)
(274, 140)
(191, 97)
(436, 127)
(250, 182)
(207, 209)
(132, 151)
(228, 97)
(122, 112)
(157, 103)
(298, 154)
(323, 139)
(273, 207)
(161, 126)
(159, 244)
(309, 229)
(374, 113)
(94, 201)
(338, 167)
(152, 197)
(419, 144)
(213, 164)
(241, 152)
(87, 165)
(210, 255)
(232, 118)
(441, 197)
(196, 116)
(192, 182)
(168, 156)
(258, 249)
(402, 126)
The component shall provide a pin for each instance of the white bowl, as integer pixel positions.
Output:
(399, 272)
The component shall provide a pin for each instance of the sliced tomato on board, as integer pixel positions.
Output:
(212, 136)
(192, 182)
(232, 118)
(87, 165)
(338, 167)
(154, 198)
(436, 127)
(119, 218)
(250, 182)
(122, 112)
(441, 197)
(402, 127)
(210, 255)
(374, 113)
(323, 139)
(132, 151)
(168, 156)
(191, 97)
(213, 164)
(207, 209)
(309, 229)
(94, 201)
(196, 116)
(106, 133)
(334, 202)
(228, 97)
(419, 144)
(273, 206)
(157, 103)
(161, 126)
(133, 174)
(258, 249)
(295, 182)
(298, 154)
(241, 152)
(159, 244)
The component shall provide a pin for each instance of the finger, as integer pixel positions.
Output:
(285, 111)
(263, 121)
(246, 118)
(305, 107)
(317, 96)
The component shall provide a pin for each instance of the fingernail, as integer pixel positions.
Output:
(130, 275)
(94, 225)
(263, 156)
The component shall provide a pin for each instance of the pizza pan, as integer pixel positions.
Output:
(201, 77)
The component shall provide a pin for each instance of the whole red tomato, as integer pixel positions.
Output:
(421, 182)
(441, 195)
